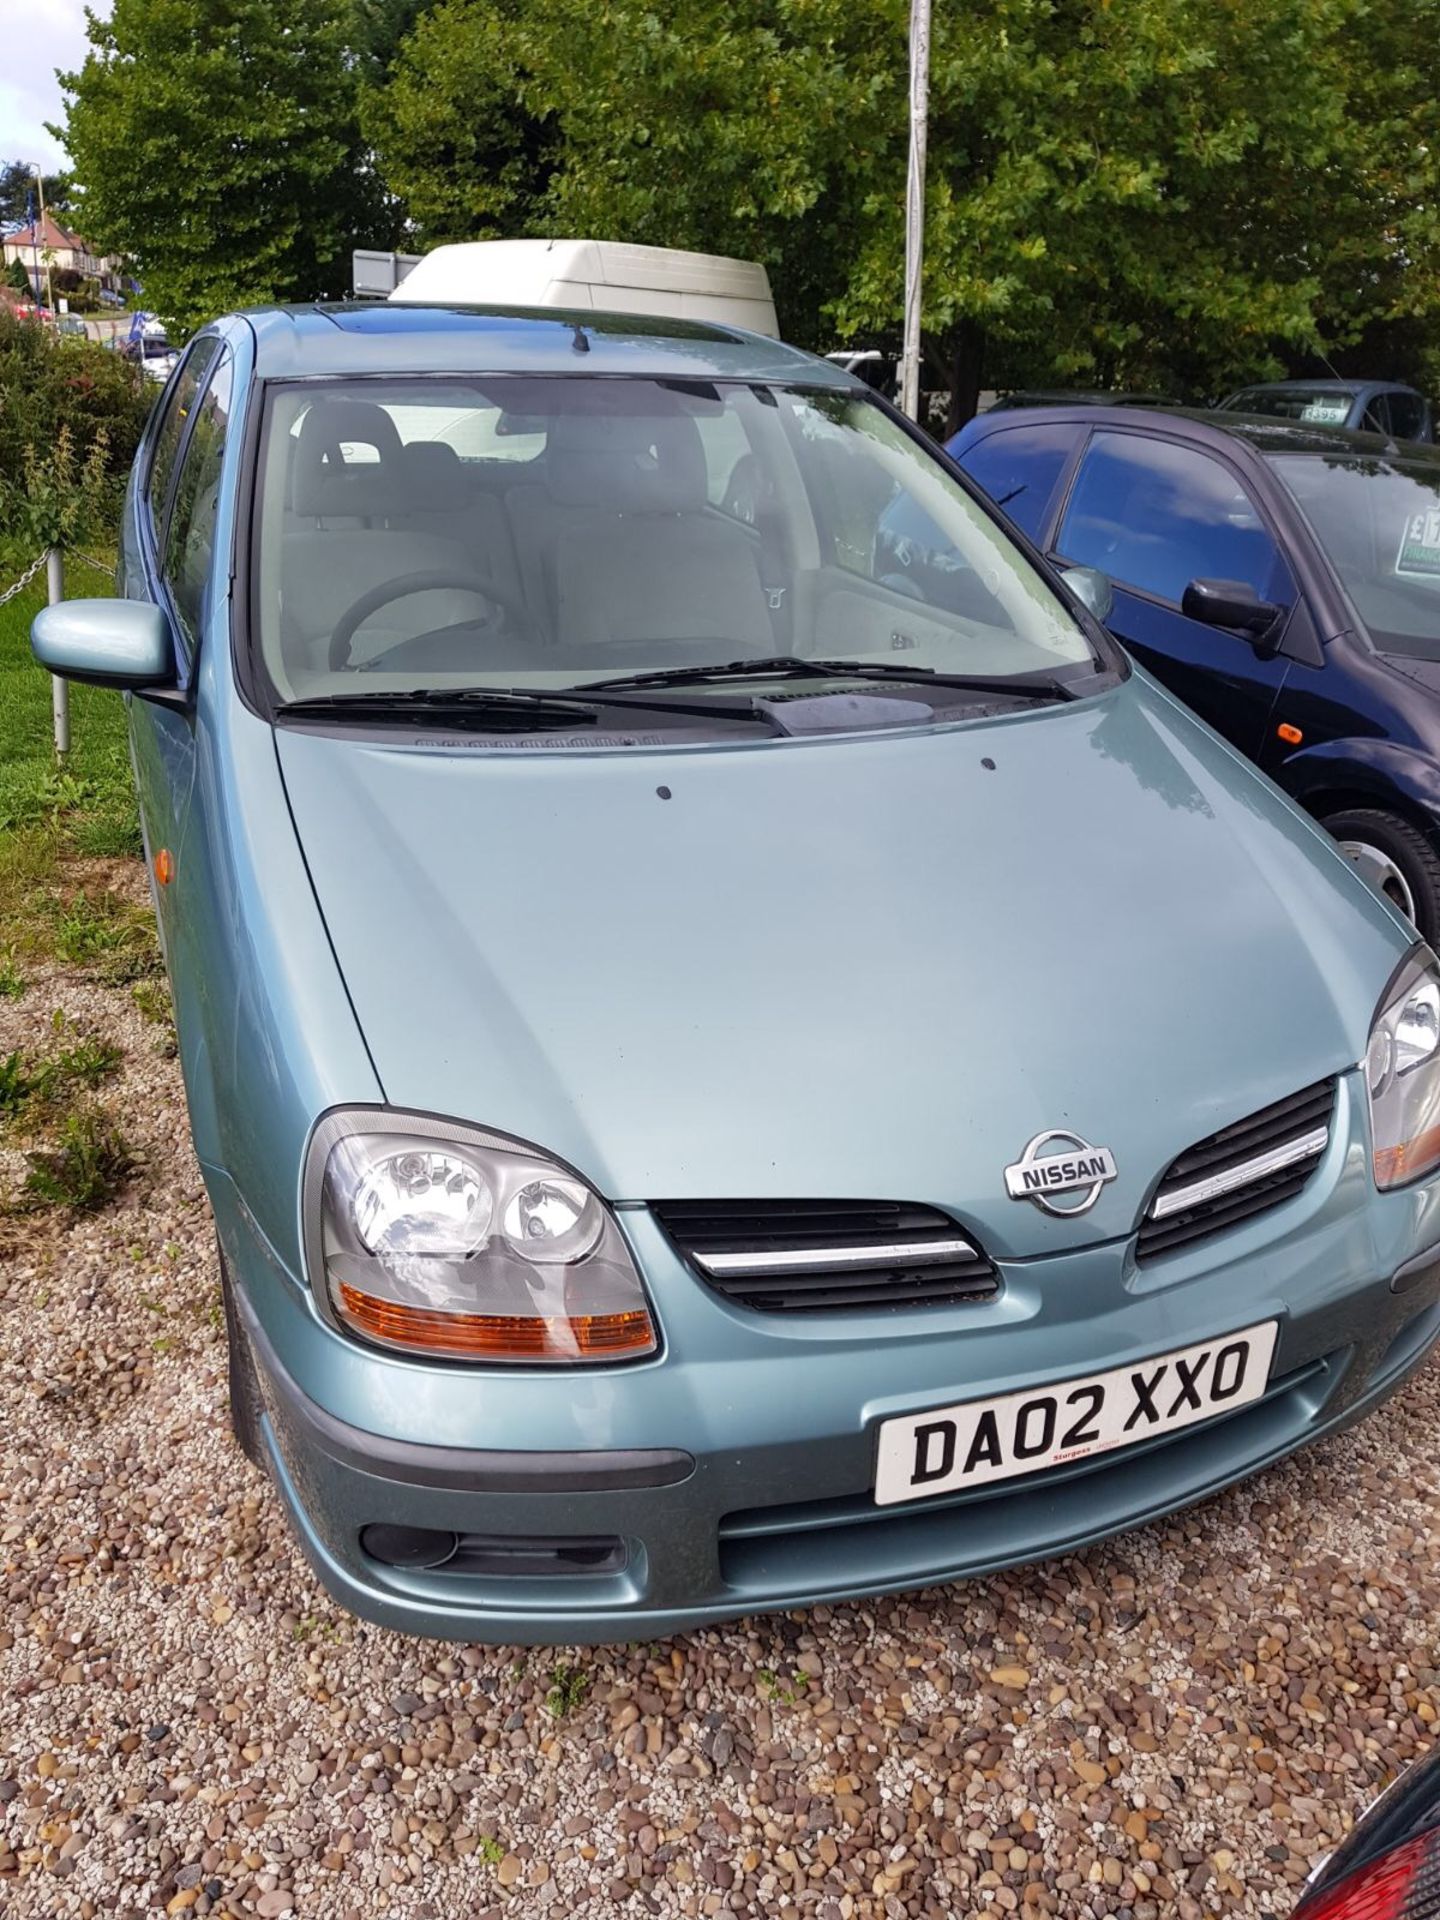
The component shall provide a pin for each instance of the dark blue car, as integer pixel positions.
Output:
(1283, 580)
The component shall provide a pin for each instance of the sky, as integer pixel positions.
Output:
(38, 36)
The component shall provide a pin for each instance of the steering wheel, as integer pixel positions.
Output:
(429, 581)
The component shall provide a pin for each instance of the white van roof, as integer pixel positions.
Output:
(603, 276)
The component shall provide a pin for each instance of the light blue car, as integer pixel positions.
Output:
(724, 1082)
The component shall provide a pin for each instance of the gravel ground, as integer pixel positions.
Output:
(1177, 1723)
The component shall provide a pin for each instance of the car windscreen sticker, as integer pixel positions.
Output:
(1325, 413)
(1419, 554)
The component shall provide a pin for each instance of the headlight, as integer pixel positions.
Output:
(1402, 1073)
(431, 1237)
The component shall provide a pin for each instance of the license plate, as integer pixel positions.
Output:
(951, 1448)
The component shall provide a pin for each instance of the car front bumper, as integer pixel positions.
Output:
(733, 1474)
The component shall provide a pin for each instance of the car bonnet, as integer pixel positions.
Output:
(868, 967)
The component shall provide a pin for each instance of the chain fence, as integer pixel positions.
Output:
(26, 577)
(107, 567)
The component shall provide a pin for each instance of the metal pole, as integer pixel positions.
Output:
(915, 204)
(49, 284)
(59, 689)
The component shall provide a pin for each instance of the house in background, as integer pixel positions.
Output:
(46, 243)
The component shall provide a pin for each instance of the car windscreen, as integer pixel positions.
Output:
(1316, 406)
(549, 530)
(1378, 521)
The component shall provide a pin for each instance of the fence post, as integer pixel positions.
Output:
(59, 689)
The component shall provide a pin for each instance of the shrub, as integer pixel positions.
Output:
(51, 381)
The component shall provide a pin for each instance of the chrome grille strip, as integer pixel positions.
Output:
(907, 1253)
(1305, 1147)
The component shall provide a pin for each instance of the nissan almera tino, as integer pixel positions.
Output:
(724, 1082)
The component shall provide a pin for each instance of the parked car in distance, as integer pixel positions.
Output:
(1369, 406)
(724, 1083)
(1283, 580)
(1075, 397)
(152, 353)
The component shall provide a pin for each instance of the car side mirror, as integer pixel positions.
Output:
(1233, 603)
(108, 643)
(1092, 589)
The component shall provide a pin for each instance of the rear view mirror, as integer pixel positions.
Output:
(109, 643)
(1092, 589)
(1230, 603)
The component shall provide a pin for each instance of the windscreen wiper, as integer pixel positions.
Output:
(794, 666)
(478, 703)
(522, 706)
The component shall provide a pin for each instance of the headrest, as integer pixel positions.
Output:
(326, 486)
(433, 477)
(331, 424)
(626, 464)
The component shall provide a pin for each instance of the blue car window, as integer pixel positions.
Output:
(1019, 468)
(1155, 515)
(175, 406)
(190, 537)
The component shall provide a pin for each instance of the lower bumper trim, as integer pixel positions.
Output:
(462, 1469)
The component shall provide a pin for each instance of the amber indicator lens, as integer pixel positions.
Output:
(1292, 736)
(487, 1336)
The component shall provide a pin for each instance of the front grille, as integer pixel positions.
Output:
(1242, 1170)
(809, 1256)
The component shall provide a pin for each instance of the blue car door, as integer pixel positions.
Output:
(1154, 514)
(169, 547)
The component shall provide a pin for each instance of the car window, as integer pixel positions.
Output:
(1155, 515)
(1019, 469)
(667, 522)
(1377, 521)
(1407, 415)
(175, 411)
(190, 538)
(1376, 417)
(1315, 406)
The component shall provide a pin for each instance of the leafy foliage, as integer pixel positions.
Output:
(54, 383)
(217, 144)
(17, 192)
(85, 1168)
(1169, 193)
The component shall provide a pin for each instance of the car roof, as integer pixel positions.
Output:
(1261, 432)
(367, 337)
(1356, 386)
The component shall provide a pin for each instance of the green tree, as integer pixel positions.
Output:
(17, 277)
(217, 147)
(17, 192)
(454, 140)
(1171, 193)
(724, 125)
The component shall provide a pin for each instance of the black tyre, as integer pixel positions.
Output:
(1396, 859)
(245, 1402)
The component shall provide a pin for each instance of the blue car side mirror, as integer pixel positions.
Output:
(109, 643)
(1235, 603)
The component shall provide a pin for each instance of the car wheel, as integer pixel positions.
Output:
(1396, 859)
(245, 1402)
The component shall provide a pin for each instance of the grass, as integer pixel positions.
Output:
(51, 813)
(58, 822)
(28, 1088)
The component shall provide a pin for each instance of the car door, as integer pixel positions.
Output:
(1154, 514)
(176, 540)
